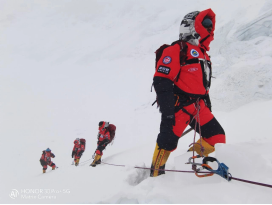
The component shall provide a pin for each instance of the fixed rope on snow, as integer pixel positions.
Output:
(168, 170)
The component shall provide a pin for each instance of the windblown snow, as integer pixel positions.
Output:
(66, 65)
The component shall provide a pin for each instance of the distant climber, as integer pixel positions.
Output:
(46, 159)
(105, 136)
(78, 149)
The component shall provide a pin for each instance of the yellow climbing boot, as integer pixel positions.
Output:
(44, 171)
(96, 158)
(76, 162)
(207, 148)
(160, 157)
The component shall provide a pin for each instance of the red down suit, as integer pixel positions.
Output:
(103, 140)
(78, 150)
(182, 81)
(46, 159)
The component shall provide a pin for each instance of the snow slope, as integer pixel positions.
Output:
(66, 65)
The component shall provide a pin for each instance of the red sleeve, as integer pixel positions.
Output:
(102, 136)
(74, 147)
(168, 65)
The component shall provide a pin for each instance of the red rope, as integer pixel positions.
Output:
(251, 182)
(197, 119)
(169, 170)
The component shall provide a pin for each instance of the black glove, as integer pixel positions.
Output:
(168, 121)
(73, 153)
(52, 155)
(165, 95)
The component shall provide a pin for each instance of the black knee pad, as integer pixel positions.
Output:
(210, 129)
(167, 140)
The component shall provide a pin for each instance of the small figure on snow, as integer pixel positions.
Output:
(78, 149)
(46, 160)
(182, 81)
(105, 136)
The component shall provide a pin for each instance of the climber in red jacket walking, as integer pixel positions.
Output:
(78, 150)
(105, 136)
(46, 160)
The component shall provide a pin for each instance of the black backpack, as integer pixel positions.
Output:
(83, 142)
(183, 51)
(112, 129)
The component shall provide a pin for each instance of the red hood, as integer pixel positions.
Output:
(204, 40)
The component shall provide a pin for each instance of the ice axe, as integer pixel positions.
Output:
(186, 132)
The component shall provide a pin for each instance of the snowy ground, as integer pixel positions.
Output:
(66, 65)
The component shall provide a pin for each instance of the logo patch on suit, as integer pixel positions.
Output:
(167, 60)
(192, 69)
(164, 70)
(194, 53)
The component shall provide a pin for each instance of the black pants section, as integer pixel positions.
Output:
(210, 129)
(101, 148)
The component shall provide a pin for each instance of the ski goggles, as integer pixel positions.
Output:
(207, 23)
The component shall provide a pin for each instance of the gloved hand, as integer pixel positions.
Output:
(73, 153)
(80, 153)
(98, 135)
(168, 121)
(52, 155)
